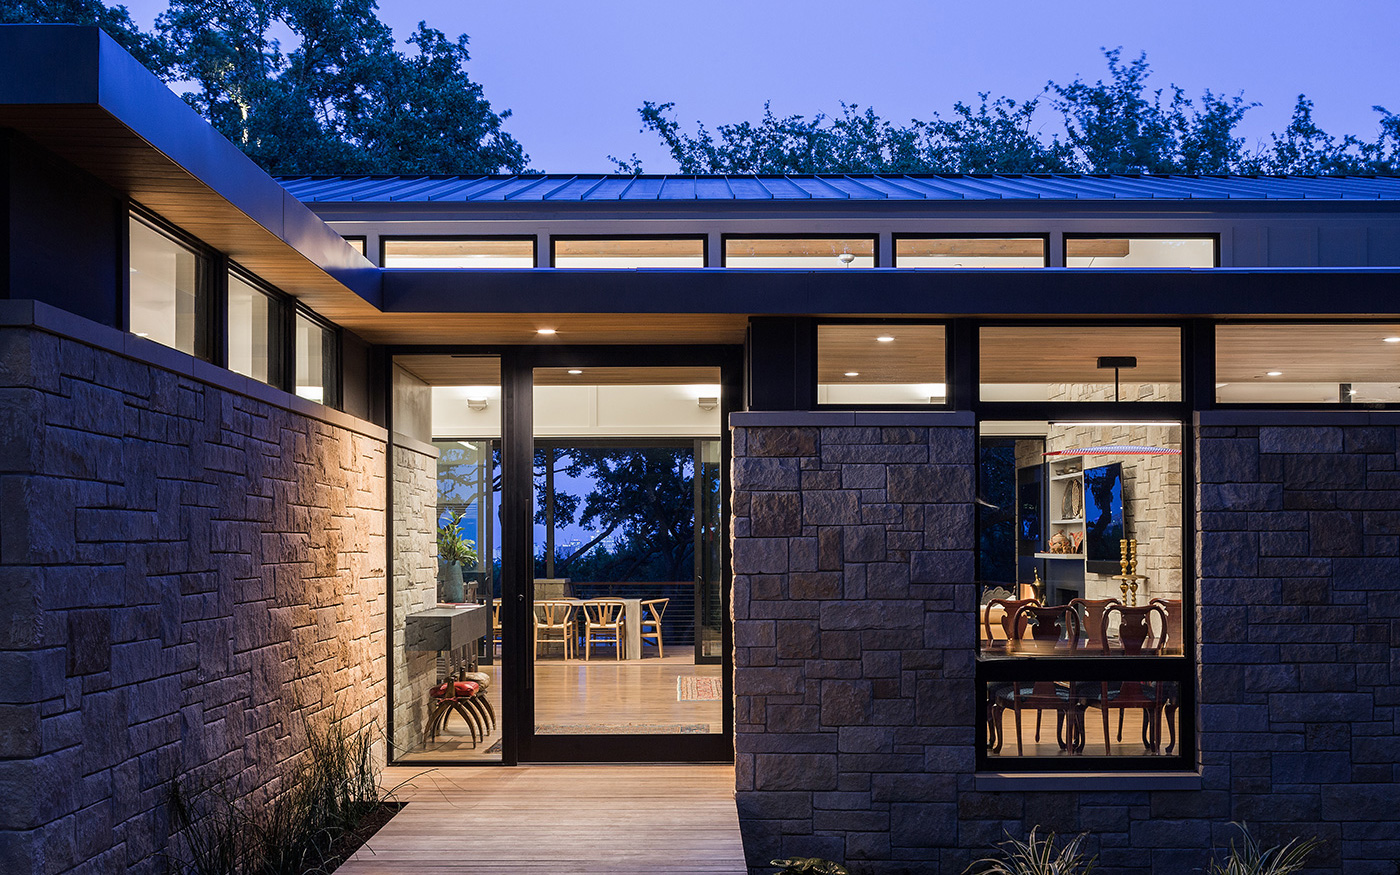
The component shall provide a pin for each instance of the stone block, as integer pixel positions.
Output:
(929, 484)
(760, 555)
(775, 514)
(787, 442)
(845, 703)
(830, 508)
(863, 543)
(1307, 441)
(1334, 533)
(794, 771)
(923, 825)
(759, 475)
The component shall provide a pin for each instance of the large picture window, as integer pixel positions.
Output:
(317, 374)
(1080, 363)
(1083, 600)
(881, 363)
(969, 252)
(254, 331)
(808, 253)
(1140, 252)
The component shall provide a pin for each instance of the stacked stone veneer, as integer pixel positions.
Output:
(854, 657)
(415, 586)
(191, 577)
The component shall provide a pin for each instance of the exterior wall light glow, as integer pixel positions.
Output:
(853, 373)
(1274, 374)
(1392, 339)
(885, 338)
(575, 371)
(545, 331)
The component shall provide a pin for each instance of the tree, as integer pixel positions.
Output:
(343, 100)
(116, 21)
(1117, 125)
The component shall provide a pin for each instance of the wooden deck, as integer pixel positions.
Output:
(559, 820)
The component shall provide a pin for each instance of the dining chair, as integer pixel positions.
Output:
(1051, 629)
(1135, 638)
(652, 610)
(552, 618)
(603, 622)
(1176, 646)
(990, 643)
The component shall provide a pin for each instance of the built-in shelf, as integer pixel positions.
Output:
(1079, 556)
(1067, 522)
(1070, 476)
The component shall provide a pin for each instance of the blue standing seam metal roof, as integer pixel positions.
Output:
(597, 188)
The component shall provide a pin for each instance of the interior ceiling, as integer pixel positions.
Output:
(693, 247)
(971, 247)
(1342, 352)
(1069, 354)
(447, 248)
(760, 247)
(914, 356)
(462, 370)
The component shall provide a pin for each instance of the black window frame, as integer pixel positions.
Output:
(704, 240)
(945, 324)
(1213, 236)
(1043, 236)
(210, 284)
(1182, 670)
(873, 238)
(1209, 401)
(330, 357)
(281, 323)
(449, 238)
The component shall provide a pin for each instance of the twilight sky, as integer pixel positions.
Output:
(575, 72)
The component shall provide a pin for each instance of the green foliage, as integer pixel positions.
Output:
(452, 547)
(809, 866)
(329, 794)
(641, 499)
(1250, 859)
(115, 20)
(1037, 856)
(343, 100)
(1115, 126)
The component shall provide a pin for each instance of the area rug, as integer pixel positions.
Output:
(621, 728)
(696, 688)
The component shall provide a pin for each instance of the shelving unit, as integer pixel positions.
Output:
(1066, 492)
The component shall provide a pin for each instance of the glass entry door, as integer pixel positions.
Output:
(627, 593)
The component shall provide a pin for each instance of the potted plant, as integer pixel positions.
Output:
(454, 551)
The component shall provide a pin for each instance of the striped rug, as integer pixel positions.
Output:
(697, 688)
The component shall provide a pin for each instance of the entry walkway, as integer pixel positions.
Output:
(558, 820)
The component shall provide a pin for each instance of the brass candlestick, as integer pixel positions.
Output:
(1127, 561)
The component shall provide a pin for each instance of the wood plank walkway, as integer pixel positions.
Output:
(559, 820)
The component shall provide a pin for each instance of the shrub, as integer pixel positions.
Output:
(1036, 857)
(1250, 859)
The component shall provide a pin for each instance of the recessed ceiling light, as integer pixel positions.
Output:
(545, 331)
(853, 373)
(575, 371)
(1274, 374)
(1391, 339)
(885, 338)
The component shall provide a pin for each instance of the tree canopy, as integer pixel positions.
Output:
(1115, 126)
(342, 99)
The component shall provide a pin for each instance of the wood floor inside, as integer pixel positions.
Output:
(599, 696)
(559, 820)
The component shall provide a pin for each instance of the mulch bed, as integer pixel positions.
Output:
(347, 843)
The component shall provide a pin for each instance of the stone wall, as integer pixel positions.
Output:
(191, 575)
(854, 631)
(415, 586)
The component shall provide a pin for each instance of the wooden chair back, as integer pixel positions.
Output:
(1135, 629)
(1009, 608)
(1174, 619)
(603, 612)
(1091, 616)
(553, 615)
(1047, 624)
(652, 609)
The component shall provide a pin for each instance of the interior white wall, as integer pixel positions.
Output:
(1149, 252)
